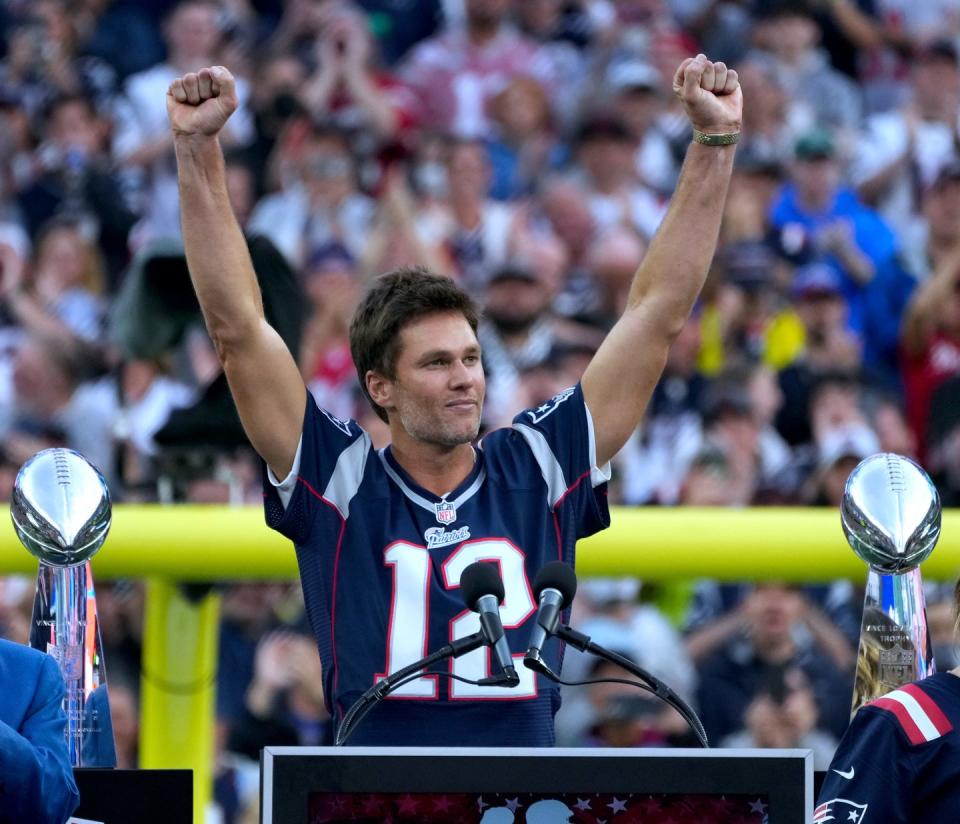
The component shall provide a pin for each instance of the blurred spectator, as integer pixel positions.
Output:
(520, 332)
(331, 283)
(731, 426)
(284, 703)
(563, 207)
(903, 150)
(42, 60)
(119, 33)
(774, 117)
(817, 217)
(791, 35)
(604, 153)
(747, 319)
(320, 201)
(612, 261)
(61, 296)
(931, 342)
(400, 24)
(456, 73)
(523, 146)
(828, 346)
(248, 612)
(785, 715)
(887, 417)
(55, 407)
(762, 631)
(142, 141)
(775, 459)
(937, 230)
(839, 449)
(465, 224)
(346, 90)
(76, 180)
(755, 185)
(655, 460)
(614, 614)
(722, 27)
(638, 102)
(562, 30)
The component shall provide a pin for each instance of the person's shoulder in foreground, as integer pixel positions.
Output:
(899, 760)
(36, 780)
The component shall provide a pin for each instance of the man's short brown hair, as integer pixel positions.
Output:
(393, 301)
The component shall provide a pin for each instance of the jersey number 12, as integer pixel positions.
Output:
(410, 619)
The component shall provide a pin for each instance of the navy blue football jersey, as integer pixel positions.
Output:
(899, 761)
(380, 561)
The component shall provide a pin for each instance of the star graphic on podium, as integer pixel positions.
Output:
(407, 805)
(618, 806)
(441, 804)
(757, 806)
(513, 804)
(582, 804)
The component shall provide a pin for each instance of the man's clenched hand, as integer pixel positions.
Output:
(710, 93)
(200, 103)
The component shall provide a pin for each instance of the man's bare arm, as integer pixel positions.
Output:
(263, 376)
(620, 379)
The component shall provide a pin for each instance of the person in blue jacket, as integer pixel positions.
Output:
(36, 779)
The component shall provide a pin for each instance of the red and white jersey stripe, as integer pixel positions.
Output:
(917, 713)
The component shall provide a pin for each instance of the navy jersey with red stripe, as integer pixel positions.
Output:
(899, 761)
(380, 561)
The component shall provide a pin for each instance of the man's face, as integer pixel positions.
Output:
(487, 11)
(566, 209)
(821, 314)
(607, 160)
(514, 304)
(328, 171)
(936, 86)
(816, 180)
(192, 31)
(438, 390)
(74, 126)
(941, 207)
(467, 170)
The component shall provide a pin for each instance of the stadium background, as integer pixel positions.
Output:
(529, 149)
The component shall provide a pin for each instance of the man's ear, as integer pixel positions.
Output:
(380, 389)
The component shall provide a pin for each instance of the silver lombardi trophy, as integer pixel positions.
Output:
(61, 512)
(891, 517)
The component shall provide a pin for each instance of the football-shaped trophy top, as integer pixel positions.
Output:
(890, 513)
(61, 507)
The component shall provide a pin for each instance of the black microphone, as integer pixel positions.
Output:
(554, 588)
(482, 590)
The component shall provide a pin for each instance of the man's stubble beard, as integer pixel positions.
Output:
(426, 428)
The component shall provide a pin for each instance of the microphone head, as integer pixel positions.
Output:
(559, 576)
(479, 579)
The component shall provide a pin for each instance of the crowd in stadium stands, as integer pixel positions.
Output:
(527, 148)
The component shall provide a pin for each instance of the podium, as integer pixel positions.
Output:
(144, 796)
(335, 785)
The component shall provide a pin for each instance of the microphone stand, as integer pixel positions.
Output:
(384, 687)
(582, 642)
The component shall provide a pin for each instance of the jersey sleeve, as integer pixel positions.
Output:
(560, 435)
(332, 459)
(870, 780)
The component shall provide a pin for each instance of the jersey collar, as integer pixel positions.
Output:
(424, 497)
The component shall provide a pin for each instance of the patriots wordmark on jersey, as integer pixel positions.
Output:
(899, 761)
(381, 557)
